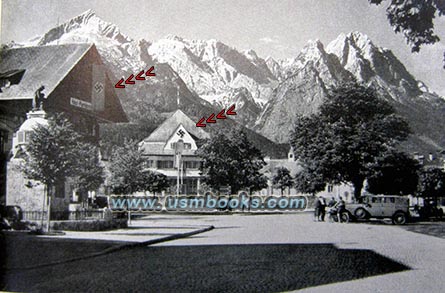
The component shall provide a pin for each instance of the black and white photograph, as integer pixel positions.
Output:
(222, 146)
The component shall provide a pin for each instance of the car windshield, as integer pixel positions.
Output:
(363, 199)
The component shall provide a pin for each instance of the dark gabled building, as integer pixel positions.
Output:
(69, 78)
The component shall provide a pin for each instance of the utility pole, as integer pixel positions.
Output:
(179, 147)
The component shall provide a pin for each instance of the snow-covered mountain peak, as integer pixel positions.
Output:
(84, 28)
(270, 59)
(173, 38)
(370, 63)
(352, 46)
(251, 54)
(312, 51)
(85, 16)
(212, 68)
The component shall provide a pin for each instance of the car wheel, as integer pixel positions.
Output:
(345, 217)
(399, 218)
(361, 214)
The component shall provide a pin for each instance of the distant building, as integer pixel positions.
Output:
(432, 159)
(62, 78)
(159, 149)
(346, 191)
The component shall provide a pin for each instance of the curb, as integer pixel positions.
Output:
(115, 249)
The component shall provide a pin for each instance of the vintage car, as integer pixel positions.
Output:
(381, 206)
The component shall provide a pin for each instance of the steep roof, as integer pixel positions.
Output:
(44, 63)
(165, 130)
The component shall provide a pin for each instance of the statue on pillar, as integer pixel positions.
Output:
(39, 96)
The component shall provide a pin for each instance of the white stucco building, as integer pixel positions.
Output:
(159, 149)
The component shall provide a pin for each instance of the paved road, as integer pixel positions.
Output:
(424, 254)
(252, 253)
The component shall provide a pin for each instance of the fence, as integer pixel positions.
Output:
(64, 215)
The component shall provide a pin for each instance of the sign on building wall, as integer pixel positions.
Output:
(98, 90)
(81, 104)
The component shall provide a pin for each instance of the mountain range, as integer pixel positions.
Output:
(208, 75)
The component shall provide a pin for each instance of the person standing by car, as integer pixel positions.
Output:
(341, 207)
(317, 205)
(322, 209)
(332, 202)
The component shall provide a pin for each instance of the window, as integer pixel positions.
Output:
(3, 141)
(21, 137)
(390, 199)
(58, 190)
(27, 136)
(330, 188)
(191, 164)
(165, 164)
(10, 77)
(376, 200)
(363, 200)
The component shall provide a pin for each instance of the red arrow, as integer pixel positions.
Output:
(119, 85)
(148, 73)
(199, 124)
(139, 77)
(128, 80)
(230, 111)
(221, 114)
(210, 119)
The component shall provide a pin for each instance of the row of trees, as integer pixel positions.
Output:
(56, 151)
(355, 136)
(399, 177)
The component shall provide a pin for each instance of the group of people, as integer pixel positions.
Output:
(320, 208)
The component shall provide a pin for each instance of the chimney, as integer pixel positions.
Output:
(431, 156)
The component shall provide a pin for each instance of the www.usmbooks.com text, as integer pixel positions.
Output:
(208, 203)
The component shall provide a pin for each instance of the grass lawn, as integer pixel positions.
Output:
(247, 268)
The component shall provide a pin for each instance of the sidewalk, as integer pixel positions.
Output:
(150, 228)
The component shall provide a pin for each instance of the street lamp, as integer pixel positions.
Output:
(179, 147)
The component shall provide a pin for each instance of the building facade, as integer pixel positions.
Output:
(69, 79)
(162, 155)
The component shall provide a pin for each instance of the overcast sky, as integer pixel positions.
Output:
(276, 28)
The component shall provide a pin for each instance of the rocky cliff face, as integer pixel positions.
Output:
(307, 77)
(305, 84)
